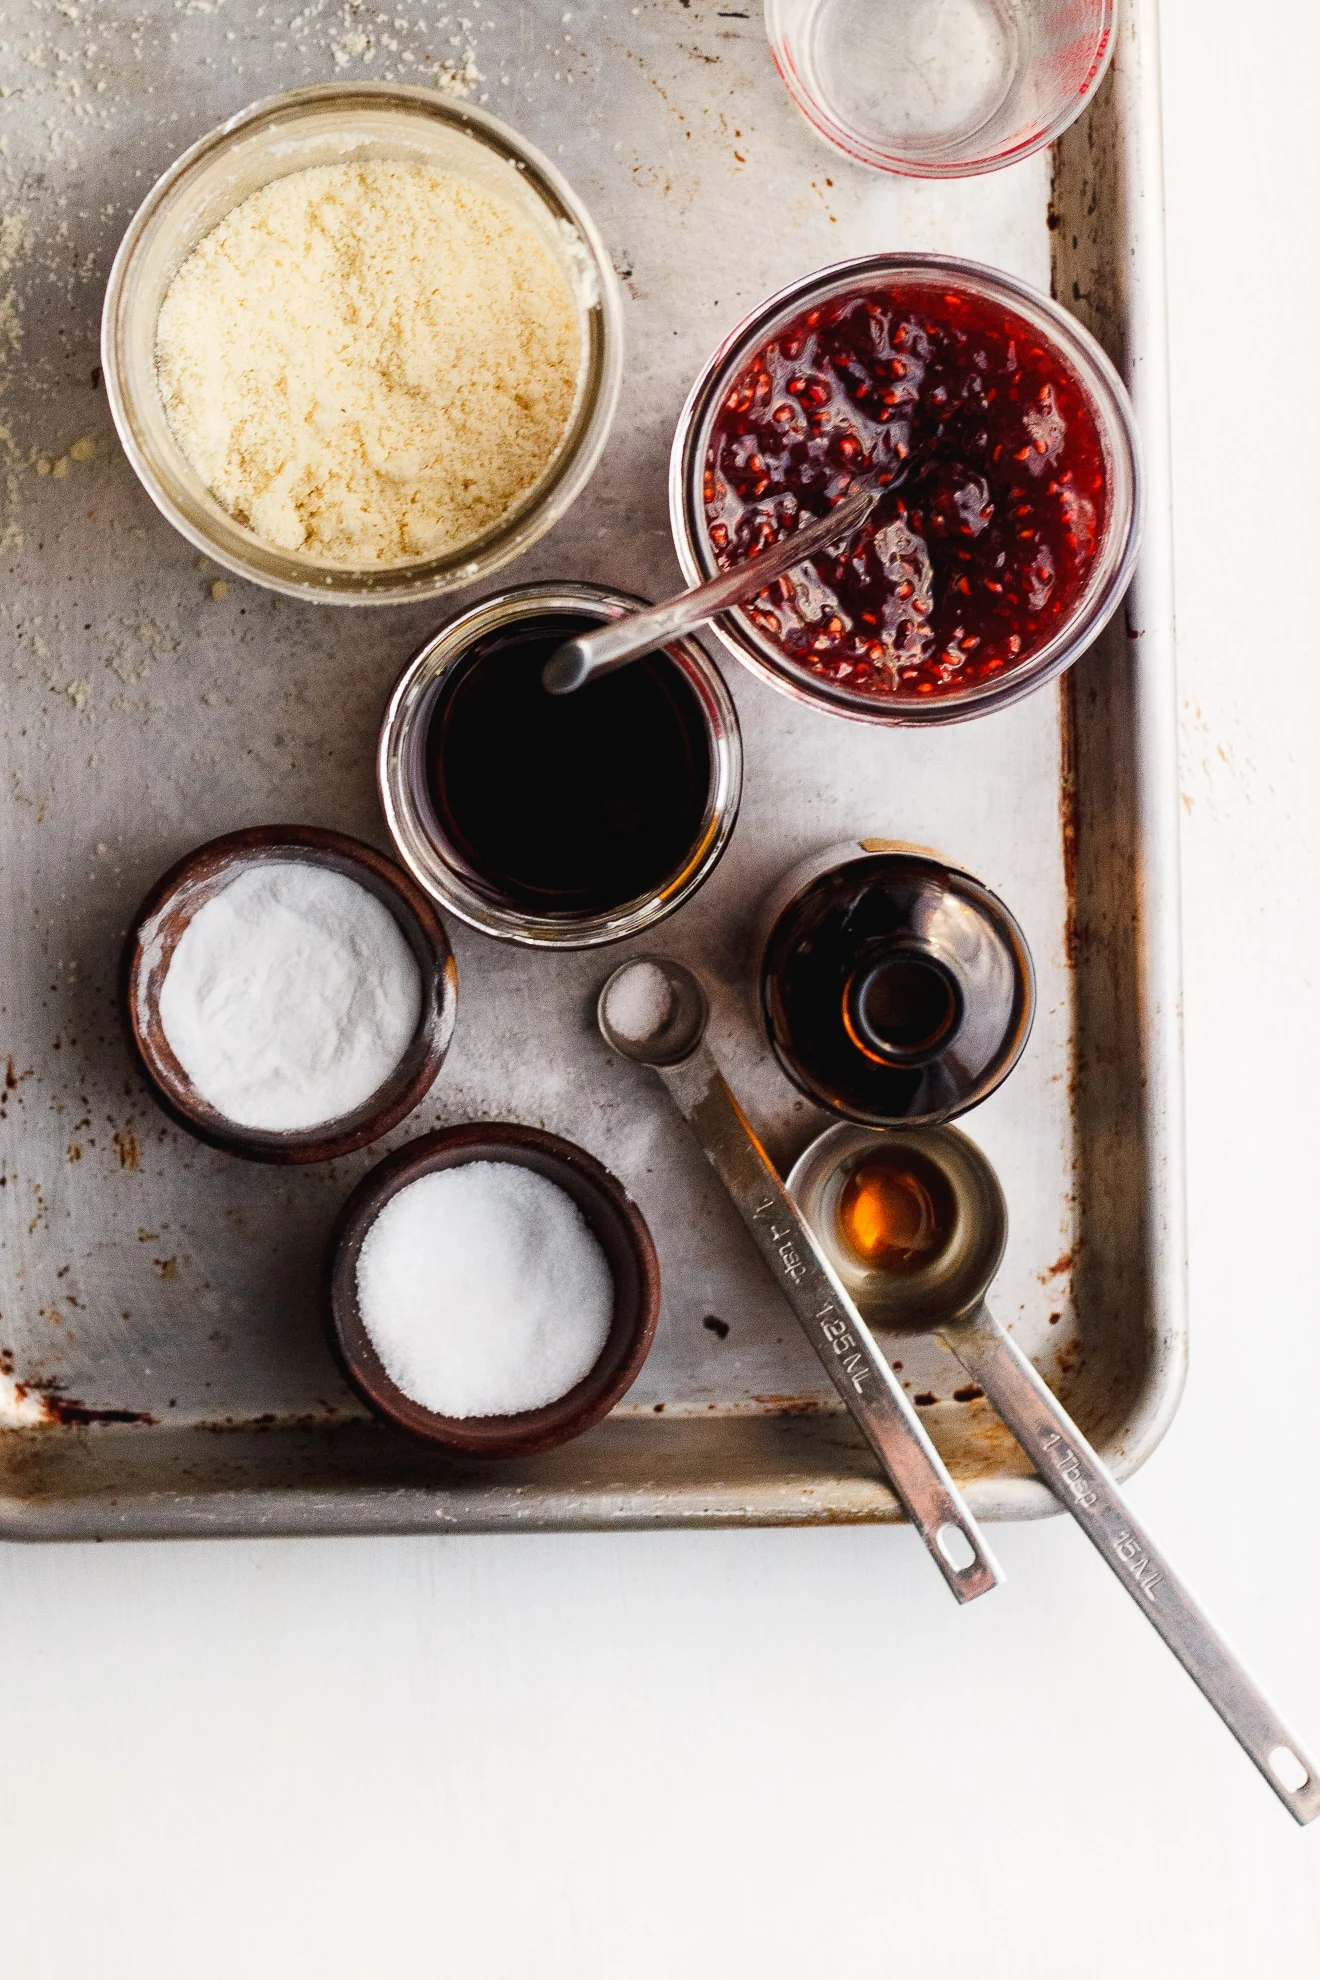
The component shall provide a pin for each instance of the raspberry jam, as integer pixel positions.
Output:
(995, 491)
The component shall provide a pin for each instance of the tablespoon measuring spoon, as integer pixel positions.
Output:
(665, 1003)
(580, 660)
(947, 1297)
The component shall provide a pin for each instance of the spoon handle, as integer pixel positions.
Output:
(579, 660)
(1084, 1488)
(833, 1326)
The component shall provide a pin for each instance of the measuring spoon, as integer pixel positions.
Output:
(580, 660)
(674, 1048)
(947, 1298)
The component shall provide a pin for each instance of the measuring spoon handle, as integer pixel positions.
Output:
(1084, 1488)
(833, 1325)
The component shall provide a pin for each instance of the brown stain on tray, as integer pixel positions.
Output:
(794, 1405)
(70, 1412)
(328, 1417)
(1069, 1358)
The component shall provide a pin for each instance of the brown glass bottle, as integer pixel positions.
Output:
(894, 988)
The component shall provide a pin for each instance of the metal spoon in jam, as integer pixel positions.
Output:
(580, 660)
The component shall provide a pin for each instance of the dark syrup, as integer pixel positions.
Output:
(569, 804)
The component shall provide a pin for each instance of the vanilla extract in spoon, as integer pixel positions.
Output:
(896, 1212)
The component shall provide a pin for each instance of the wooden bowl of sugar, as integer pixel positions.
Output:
(492, 1288)
(288, 992)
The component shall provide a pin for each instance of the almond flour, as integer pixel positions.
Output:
(370, 363)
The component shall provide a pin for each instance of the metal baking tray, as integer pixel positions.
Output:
(164, 1370)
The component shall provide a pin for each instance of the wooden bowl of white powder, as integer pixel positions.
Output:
(362, 344)
(492, 1288)
(288, 992)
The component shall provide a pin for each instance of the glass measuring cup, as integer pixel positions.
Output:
(940, 88)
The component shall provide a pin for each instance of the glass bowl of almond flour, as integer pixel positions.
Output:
(362, 344)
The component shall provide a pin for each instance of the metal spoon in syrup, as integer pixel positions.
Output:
(654, 1011)
(915, 1222)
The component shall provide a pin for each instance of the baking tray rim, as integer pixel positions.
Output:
(238, 1509)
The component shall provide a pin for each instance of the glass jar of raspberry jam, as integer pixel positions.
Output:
(1006, 448)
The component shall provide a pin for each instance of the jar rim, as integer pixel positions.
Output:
(1114, 417)
(409, 815)
(138, 414)
(784, 20)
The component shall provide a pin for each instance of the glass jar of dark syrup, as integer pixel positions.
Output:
(571, 805)
(894, 987)
(557, 821)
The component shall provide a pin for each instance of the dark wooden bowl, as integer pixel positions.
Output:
(156, 931)
(616, 1223)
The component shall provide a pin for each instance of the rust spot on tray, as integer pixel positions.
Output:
(1059, 1267)
(326, 1418)
(12, 1078)
(1069, 1358)
(987, 1449)
(792, 1405)
(67, 1410)
(126, 1147)
(970, 1394)
(70, 1412)
(925, 1399)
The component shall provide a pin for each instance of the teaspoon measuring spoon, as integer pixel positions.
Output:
(579, 660)
(800, 1269)
(947, 1298)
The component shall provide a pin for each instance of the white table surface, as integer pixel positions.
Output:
(787, 1753)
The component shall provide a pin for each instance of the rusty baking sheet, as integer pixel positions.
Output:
(163, 1363)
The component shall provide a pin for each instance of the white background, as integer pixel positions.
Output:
(772, 1754)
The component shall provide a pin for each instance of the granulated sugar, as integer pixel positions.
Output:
(370, 363)
(639, 1002)
(291, 997)
(484, 1291)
